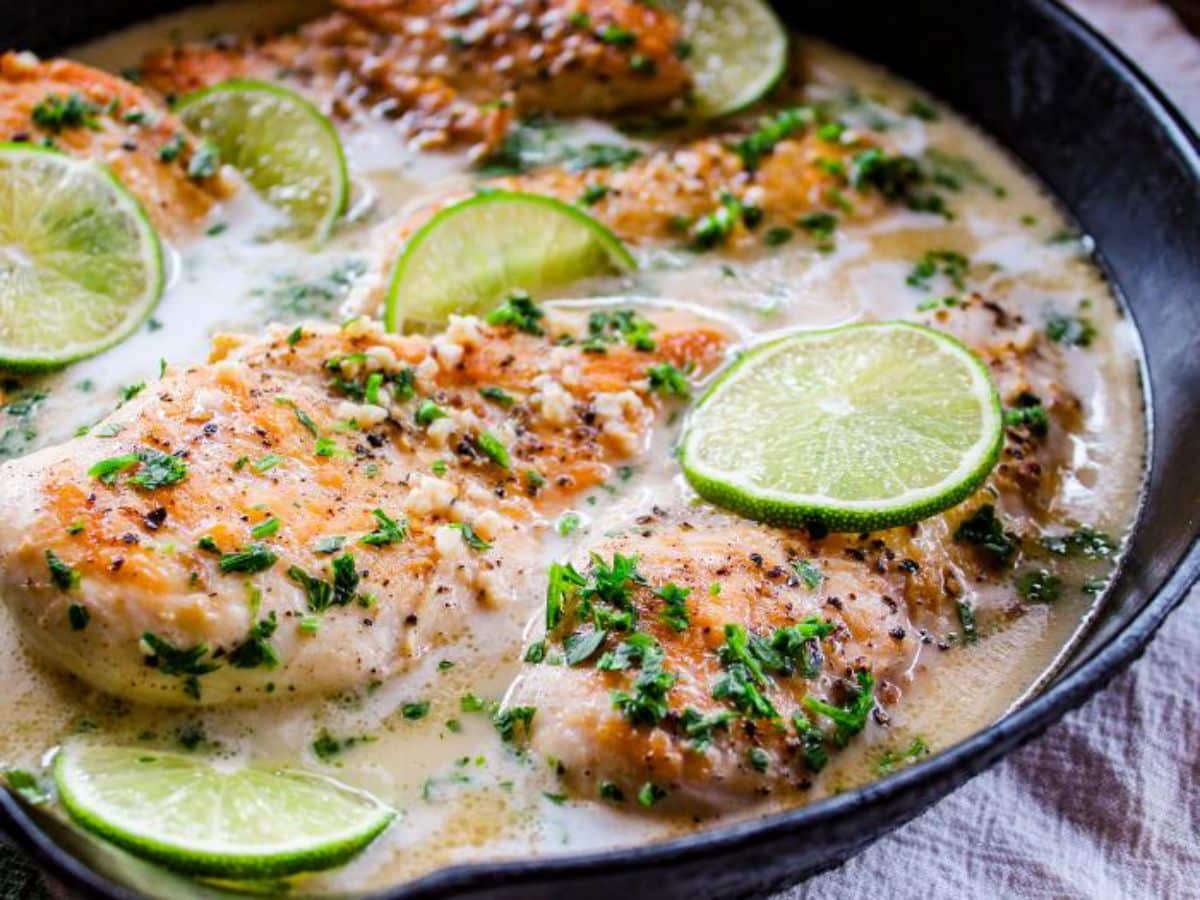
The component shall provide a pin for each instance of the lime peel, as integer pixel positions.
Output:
(81, 267)
(739, 51)
(187, 815)
(287, 150)
(469, 255)
(856, 428)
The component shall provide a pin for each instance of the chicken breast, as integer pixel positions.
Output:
(713, 193)
(89, 113)
(457, 72)
(699, 696)
(313, 510)
(698, 661)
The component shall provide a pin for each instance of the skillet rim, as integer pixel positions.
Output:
(907, 788)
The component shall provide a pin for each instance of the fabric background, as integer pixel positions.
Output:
(1105, 806)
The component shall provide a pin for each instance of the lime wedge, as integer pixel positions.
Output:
(854, 428)
(474, 252)
(738, 51)
(80, 264)
(282, 145)
(188, 815)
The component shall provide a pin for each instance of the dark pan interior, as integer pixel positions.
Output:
(1128, 168)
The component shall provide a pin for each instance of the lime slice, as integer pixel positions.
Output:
(281, 144)
(854, 428)
(738, 51)
(80, 264)
(474, 252)
(186, 814)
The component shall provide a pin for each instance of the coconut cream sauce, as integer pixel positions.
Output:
(464, 796)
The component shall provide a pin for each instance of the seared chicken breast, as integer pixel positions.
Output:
(313, 510)
(457, 72)
(705, 194)
(699, 661)
(88, 113)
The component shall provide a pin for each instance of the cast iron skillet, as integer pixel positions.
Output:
(1127, 166)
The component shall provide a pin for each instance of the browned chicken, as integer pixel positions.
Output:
(698, 661)
(313, 510)
(725, 193)
(456, 72)
(89, 113)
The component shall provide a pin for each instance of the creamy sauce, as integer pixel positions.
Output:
(463, 795)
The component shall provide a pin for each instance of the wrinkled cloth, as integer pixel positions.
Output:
(1106, 805)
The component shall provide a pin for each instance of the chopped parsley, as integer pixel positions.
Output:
(326, 747)
(339, 591)
(256, 650)
(650, 793)
(63, 576)
(567, 523)
(609, 791)
(601, 156)
(891, 760)
(851, 718)
(668, 381)
(157, 470)
(714, 228)
(812, 742)
(78, 617)
(428, 413)
(56, 113)
(267, 462)
(416, 710)
(563, 581)
(985, 530)
(536, 652)
(777, 235)
(646, 703)
(810, 575)
(1028, 412)
(1039, 586)
(497, 395)
(674, 613)
(389, 531)
(593, 194)
(514, 721)
(187, 663)
(204, 162)
(948, 263)
(470, 537)
(699, 728)
(1073, 331)
(1083, 541)
(582, 645)
(471, 703)
(169, 152)
(821, 225)
(254, 558)
(966, 618)
(520, 312)
(616, 36)
(758, 758)
(493, 449)
(609, 326)
(771, 130)
(265, 529)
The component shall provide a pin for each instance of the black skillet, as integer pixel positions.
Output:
(1127, 166)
